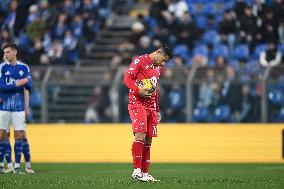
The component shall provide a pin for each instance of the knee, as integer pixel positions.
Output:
(19, 135)
(2, 134)
(148, 140)
(140, 136)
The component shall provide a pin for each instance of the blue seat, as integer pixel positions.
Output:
(210, 37)
(210, 9)
(280, 116)
(222, 113)
(201, 22)
(200, 114)
(201, 50)
(252, 66)
(281, 48)
(241, 51)
(258, 49)
(276, 97)
(221, 50)
(182, 50)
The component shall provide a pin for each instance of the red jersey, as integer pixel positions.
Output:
(142, 68)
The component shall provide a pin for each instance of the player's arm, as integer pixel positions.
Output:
(130, 77)
(157, 106)
(27, 102)
(29, 84)
(5, 87)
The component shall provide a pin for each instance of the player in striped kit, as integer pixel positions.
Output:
(142, 80)
(14, 78)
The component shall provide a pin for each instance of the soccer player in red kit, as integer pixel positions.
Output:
(143, 106)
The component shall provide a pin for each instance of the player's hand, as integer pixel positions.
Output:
(22, 82)
(159, 117)
(144, 93)
(27, 111)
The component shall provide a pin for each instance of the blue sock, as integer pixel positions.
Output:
(26, 150)
(18, 148)
(2, 151)
(8, 151)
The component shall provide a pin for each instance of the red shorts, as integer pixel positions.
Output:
(144, 121)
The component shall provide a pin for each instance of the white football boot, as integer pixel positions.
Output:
(138, 175)
(29, 170)
(150, 178)
(9, 170)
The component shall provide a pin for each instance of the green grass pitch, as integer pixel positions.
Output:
(173, 176)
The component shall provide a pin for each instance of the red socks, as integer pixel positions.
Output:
(137, 151)
(146, 158)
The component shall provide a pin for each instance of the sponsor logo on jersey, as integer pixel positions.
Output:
(21, 72)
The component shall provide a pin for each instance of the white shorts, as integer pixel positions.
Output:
(17, 119)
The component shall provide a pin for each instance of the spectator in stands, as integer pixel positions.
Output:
(199, 60)
(11, 17)
(245, 114)
(97, 106)
(157, 7)
(231, 90)
(269, 26)
(5, 37)
(271, 57)
(61, 26)
(228, 29)
(44, 10)
(126, 50)
(70, 51)
(278, 9)
(187, 31)
(178, 8)
(55, 52)
(33, 14)
(36, 52)
(206, 92)
(35, 95)
(116, 60)
(161, 34)
(249, 31)
(177, 61)
(216, 97)
(138, 30)
(176, 104)
(239, 8)
(145, 45)
(77, 26)
(281, 31)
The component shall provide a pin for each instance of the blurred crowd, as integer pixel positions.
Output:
(232, 40)
(235, 40)
(52, 32)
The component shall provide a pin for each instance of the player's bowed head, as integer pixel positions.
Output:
(159, 57)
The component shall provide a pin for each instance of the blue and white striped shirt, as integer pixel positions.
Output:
(12, 97)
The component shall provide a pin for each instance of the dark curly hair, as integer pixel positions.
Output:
(167, 50)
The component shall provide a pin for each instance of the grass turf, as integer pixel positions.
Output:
(173, 176)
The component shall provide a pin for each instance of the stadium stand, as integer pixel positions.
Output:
(75, 46)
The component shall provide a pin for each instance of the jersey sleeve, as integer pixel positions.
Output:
(131, 73)
(28, 86)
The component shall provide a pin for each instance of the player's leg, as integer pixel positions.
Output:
(151, 132)
(19, 124)
(139, 126)
(8, 153)
(146, 155)
(4, 122)
(27, 155)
